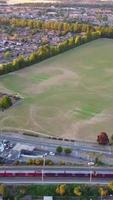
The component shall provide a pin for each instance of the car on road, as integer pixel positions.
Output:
(51, 153)
(45, 154)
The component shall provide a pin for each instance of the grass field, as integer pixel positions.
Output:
(70, 95)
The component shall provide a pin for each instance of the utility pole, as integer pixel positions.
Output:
(90, 164)
(43, 168)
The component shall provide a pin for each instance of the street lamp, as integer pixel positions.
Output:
(90, 164)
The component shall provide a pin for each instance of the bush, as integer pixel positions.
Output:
(59, 149)
(5, 102)
(68, 150)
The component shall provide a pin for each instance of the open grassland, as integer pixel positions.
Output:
(69, 95)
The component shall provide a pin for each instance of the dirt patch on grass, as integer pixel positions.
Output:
(27, 73)
(52, 81)
(32, 118)
(77, 129)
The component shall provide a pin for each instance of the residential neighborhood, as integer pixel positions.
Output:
(16, 41)
(95, 15)
(24, 41)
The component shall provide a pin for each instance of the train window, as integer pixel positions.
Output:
(85, 174)
(56, 174)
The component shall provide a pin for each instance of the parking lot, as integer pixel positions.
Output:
(10, 152)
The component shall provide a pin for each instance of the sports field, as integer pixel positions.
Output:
(69, 95)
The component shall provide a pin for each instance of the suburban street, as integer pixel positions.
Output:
(82, 152)
(55, 174)
(51, 144)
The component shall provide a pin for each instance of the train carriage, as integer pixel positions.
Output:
(56, 173)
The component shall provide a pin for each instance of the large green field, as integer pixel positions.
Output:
(69, 95)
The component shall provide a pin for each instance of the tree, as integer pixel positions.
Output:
(17, 162)
(77, 191)
(61, 189)
(59, 149)
(7, 54)
(102, 138)
(33, 57)
(22, 190)
(110, 186)
(77, 40)
(37, 162)
(68, 150)
(4, 190)
(89, 35)
(103, 192)
(30, 162)
(62, 162)
(5, 102)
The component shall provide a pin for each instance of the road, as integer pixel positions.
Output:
(81, 153)
(55, 180)
(49, 144)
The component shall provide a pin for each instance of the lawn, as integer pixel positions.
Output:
(70, 95)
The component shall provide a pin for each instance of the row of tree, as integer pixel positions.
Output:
(64, 191)
(50, 25)
(60, 149)
(39, 162)
(47, 51)
(79, 191)
(57, 26)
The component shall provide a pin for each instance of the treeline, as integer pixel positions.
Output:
(50, 25)
(59, 191)
(47, 51)
(57, 26)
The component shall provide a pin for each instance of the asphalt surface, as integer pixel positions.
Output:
(55, 180)
(54, 169)
(49, 144)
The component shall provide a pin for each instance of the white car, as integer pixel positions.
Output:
(45, 154)
(51, 153)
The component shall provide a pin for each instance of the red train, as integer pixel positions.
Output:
(54, 173)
